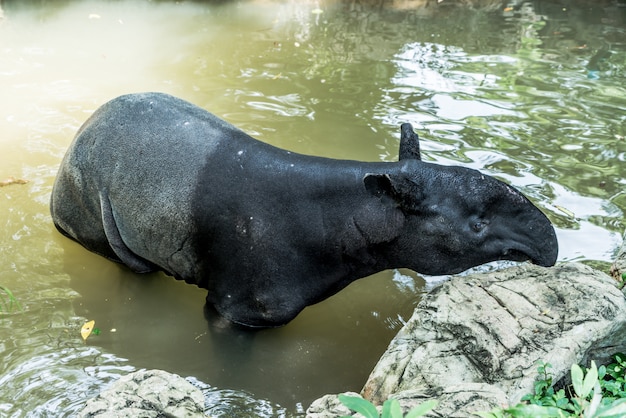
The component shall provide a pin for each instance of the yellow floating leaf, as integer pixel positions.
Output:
(85, 331)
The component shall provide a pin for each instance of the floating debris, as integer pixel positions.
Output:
(86, 330)
(566, 211)
(12, 180)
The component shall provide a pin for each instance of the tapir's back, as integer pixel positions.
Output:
(133, 166)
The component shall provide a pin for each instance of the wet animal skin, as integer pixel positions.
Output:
(157, 183)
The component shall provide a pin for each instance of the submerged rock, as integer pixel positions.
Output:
(147, 394)
(474, 342)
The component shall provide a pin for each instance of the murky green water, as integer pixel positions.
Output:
(524, 95)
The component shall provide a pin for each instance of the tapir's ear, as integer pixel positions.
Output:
(378, 184)
(409, 143)
(403, 191)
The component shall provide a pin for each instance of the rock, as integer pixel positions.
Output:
(329, 406)
(147, 394)
(473, 342)
(491, 329)
(455, 401)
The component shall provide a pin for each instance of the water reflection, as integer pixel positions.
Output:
(506, 91)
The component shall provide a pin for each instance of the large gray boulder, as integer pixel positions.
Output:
(147, 394)
(474, 341)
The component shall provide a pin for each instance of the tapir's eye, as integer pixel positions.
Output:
(478, 226)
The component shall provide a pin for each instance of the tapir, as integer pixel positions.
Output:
(157, 183)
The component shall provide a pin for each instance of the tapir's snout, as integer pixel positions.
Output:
(535, 240)
(547, 247)
(545, 258)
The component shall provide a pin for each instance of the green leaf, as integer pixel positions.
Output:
(562, 403)
(391, 409)
(359, 405)
(577, 379)
(495, 413)
(616, 409)
(595, 400)
(12, 300)
(590, 380)
(534, 411)
(421, 409)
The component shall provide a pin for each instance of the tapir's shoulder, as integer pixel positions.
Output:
(158, 118)
(156, 104)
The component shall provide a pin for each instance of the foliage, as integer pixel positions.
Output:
(7, 300)
(614, 378)
(597, 393)
(391, 408)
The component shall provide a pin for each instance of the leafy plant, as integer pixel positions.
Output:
(7, 300)
(544, 394)
(583, 387)
(525, 411)
(614, 378)
(586, 401)
(597, 392)
(391, 408)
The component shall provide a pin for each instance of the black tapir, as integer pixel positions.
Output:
(157, 183)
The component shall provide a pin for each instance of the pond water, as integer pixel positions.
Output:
(532, 93)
